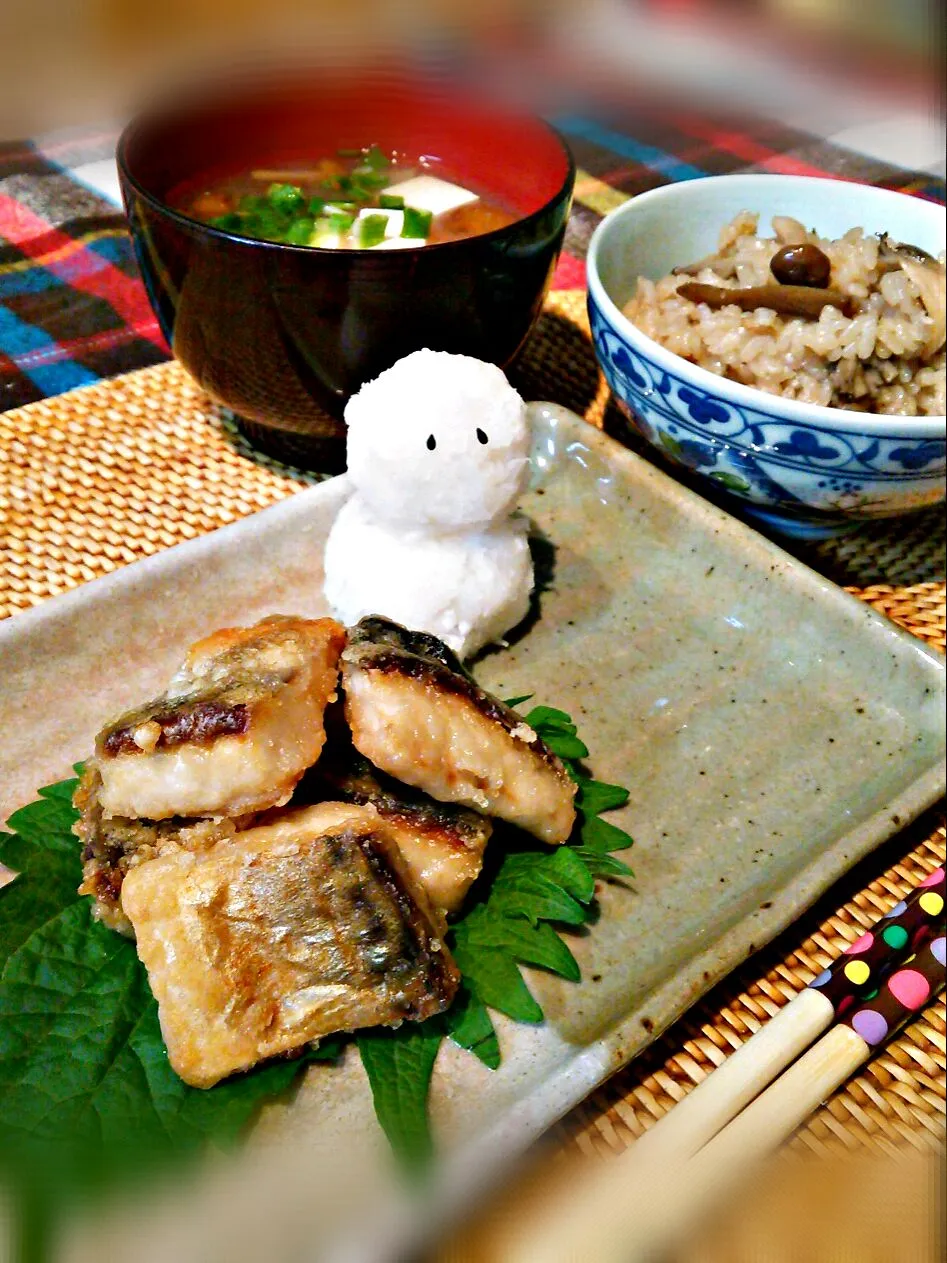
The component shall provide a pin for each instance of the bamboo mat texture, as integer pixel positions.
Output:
(104, 475)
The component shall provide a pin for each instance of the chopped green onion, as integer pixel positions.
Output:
(267, 224)
(417, 223)
(231, 222)
(316, 205)
(340, 223)
(300, 231)
(251, 202)
(364, 191)
(372, 229)
(370, 177)
(388, 201)
(285, 197)
(376, 159)
(252, 225)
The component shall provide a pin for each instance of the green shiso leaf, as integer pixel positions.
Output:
(469, 1026)
(732, 481)
(596, 796)
(89, 1097)
(601, 864)
(602, 836)
(492, 975)
(45, 854)
(545, 720)
(399, 1064)
(541, 886)
(565, 744)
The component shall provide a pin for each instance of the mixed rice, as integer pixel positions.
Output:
(880, 350)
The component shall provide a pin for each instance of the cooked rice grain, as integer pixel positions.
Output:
(870, 362)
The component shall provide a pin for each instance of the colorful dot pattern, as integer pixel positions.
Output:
(909, 925)
(905, 992)
(857, 971)
(931, 903)
(896, 936)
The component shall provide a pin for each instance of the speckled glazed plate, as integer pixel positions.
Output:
(771, 729)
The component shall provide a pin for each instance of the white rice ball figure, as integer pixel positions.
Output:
(438, 455)
(438, 442)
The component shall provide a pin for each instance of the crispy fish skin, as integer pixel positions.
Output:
(419, 716)
(442, 844)
(236, 729)
(112, 846)
(283, 934)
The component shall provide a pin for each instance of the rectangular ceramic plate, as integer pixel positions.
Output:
(771, 729)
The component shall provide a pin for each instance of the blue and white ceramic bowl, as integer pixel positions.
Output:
(805, 470)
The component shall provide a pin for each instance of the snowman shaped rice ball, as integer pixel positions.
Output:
(438, 455)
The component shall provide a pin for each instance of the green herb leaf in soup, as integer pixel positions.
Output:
(304, 204)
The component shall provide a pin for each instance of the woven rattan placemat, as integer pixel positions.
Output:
(97, 478)
(116, 471)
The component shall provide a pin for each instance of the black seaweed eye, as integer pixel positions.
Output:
(481, 436)
(431, 442)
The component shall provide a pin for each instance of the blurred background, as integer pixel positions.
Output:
(830, 64)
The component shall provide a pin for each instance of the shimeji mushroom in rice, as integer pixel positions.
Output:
(873, 341)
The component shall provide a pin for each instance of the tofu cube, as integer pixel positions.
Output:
(427, 192)
(400, 243)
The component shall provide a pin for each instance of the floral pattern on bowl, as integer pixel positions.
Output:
(803, 478)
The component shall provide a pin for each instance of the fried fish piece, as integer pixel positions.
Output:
(235, 730)
(283, 934)
(441, 843)
(419, 716)
(113, 845)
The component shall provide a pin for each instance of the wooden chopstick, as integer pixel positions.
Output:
(748, 1070)
(672, 1207)
(638, 1182)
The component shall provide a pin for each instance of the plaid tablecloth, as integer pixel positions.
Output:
(72, 307)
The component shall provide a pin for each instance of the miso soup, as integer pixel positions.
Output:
(360, 199)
